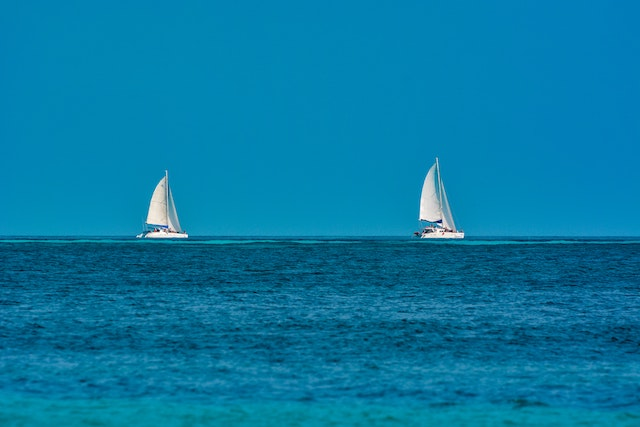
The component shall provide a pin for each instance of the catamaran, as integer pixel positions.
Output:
(162, 220)
(435, 209)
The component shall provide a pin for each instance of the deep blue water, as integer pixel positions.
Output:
(320, 332)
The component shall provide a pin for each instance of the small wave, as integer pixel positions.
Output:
(582, 241)
(230, 241)
(152, 412)
(64, 240)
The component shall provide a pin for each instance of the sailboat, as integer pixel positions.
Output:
(435, 209)
(162, 220)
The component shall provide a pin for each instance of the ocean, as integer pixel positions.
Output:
(319, 332)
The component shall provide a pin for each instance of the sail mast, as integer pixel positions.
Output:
(439, 186)
(166, 182)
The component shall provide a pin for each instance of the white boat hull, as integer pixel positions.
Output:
(162, 234)
(442, 234)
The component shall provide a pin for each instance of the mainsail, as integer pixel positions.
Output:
(429, 202)
(158, 207)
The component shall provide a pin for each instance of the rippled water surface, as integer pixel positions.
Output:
(320, 332)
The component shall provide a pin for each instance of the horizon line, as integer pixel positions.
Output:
(325, 236)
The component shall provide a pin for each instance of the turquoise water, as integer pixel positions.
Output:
(320, 332)
(142, 412)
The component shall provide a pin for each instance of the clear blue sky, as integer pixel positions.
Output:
(321, 118)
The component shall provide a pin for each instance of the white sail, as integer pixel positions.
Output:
(158, 207)
(447, 216)
(429, 201)
(172, 215)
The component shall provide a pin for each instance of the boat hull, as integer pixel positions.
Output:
(162, 234)
(441, 234)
